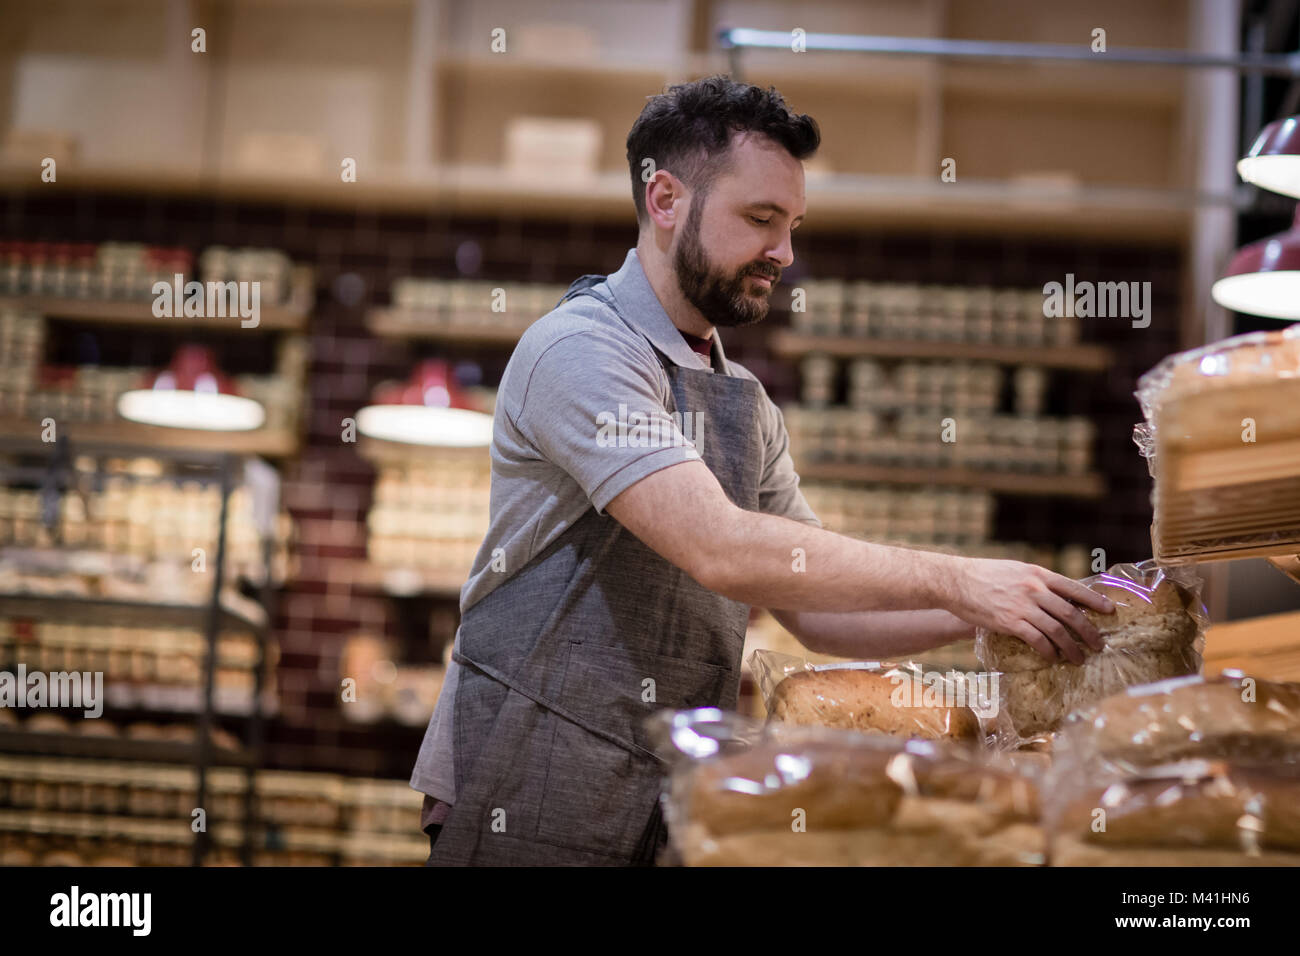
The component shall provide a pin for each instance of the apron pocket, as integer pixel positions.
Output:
(600, 796)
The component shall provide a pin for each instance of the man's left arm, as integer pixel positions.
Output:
(858, 634)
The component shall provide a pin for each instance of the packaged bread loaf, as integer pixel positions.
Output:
(1188, 813)
(1230, 716)
(740, 793)
(901, 699)
(1221, 423)
(1156, 632)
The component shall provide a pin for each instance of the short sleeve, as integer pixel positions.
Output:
(779, 492)
(597, 408)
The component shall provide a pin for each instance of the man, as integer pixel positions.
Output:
(643, 498)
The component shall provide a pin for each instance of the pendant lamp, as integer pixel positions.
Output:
(428, 409)
(1273, 162)
(1264, 277)
(192, 392)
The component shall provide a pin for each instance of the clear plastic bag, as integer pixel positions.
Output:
(1187, 813)
(743, 793)
(1157, 632)
(1227, 717)
(1198, 406)
(903, 699)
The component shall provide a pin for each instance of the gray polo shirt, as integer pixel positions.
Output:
(577, 370)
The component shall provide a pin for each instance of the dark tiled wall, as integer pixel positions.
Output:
(358, 254)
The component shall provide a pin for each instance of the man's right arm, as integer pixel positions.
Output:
(683, 514)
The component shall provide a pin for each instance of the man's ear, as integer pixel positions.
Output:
(672, 189)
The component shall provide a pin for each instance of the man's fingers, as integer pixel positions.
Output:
(1057, 633)
(1035, 639)
(1080, 593)
(1074, 619)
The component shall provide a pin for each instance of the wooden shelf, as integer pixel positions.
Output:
(292, 316)
(1083, 84)
(652, 72)
(1010, 483)
(107, 610)
(271, 443)
(837, 201)
(380, 451)
(1265, 647)
(1090, 358)
(470, 328)
(115, 748)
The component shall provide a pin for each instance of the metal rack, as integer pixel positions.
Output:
(220, 468)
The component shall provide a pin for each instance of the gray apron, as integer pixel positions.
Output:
(561, 664)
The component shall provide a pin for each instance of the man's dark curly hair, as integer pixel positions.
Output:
(687, 130)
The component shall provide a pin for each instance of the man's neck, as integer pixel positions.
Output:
(685, 316)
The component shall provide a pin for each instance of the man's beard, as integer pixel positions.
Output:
(723, 300)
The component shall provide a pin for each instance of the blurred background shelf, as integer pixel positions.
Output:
(463, 327)
(272, 443)
(291, 316)
(836, 201)
(106, 610)
(113, 748)
(1066, 486)
(1083, 357)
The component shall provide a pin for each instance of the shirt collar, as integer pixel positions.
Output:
(641, 308)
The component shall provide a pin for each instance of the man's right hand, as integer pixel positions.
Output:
(1029, 602)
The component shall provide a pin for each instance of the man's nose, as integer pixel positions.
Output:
(782, 255)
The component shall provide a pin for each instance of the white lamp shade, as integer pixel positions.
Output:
(1272, 294)
(426, 425)
(1278, 174)
(179, 408)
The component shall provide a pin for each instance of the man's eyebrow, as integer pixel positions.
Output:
(773, 206)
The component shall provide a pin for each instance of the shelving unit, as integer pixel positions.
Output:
(211, 618)
(434, 116)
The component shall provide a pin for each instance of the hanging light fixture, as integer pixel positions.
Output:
(192, 392)
(1273, 162)
(427, 409)
(1263, 278)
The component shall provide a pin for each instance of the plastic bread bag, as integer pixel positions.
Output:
(904, 699)
(1187, 813)
(1156, 632)
(743, 793)
(1243, 362)
(1219, 423)
(1231, 716)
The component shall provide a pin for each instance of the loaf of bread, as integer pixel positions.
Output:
(1151, 636)
(1037, 701)
(1068, 850)
(854, 698)
(1016, 844)
(1229, 716)
(1220, 805)
(856, 800)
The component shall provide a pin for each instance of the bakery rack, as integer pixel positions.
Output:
(222, 610)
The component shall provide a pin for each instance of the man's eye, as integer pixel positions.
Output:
(761, 222)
